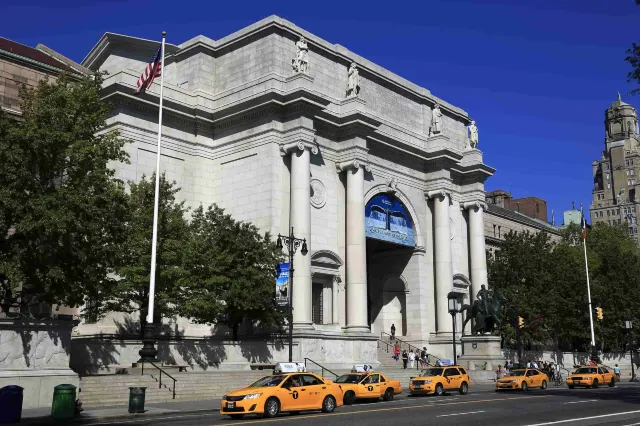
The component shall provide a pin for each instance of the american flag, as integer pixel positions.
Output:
(152, 71)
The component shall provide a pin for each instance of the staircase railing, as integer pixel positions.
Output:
(319, 365)
(173, 389)
(431, 359)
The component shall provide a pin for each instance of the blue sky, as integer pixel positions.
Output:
(536, 76)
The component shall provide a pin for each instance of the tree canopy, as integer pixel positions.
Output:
(60, 207)
(545, 283)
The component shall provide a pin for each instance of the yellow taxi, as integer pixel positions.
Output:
(367, 385)
(284, 392)
(437, 380)
(523, 379)
(591, 376)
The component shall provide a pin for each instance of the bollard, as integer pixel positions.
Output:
(136, 399)
(10, 404)
(64, 402)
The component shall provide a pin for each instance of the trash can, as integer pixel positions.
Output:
(64, 402)
(136, 399)
(10, 404)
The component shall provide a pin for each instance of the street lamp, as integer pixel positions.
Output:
(628, 325)
(292, 244)
(454, 307)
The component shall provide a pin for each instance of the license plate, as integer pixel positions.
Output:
(417, 387)
(231, 405)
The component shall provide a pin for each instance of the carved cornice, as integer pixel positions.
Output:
(300, 145)
(474, 205)
(352, 165)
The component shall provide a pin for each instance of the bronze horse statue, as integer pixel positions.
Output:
(484, 322)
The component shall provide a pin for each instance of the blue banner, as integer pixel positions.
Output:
(388, 220)
(282, 285)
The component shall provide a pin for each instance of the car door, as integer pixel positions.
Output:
(384, 384)
(452, 378)
(530, 378)
(311, 391)
(366, 388)
(605, 377)
(289, 394)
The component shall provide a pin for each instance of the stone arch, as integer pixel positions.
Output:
(384, 189)
(461, 284)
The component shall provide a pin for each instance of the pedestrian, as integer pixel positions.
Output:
(528, 364)
(423, 357)
(405, 359)
(393, 332)
(510, 365)
(506, 368)
(396, 351)
(616, 370)
(534, 364)
(412, 358)
(499, 372)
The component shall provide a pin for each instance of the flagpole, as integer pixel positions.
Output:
(149, 351)
(586, 265)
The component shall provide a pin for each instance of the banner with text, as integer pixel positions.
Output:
(282, 285)
(387, 220)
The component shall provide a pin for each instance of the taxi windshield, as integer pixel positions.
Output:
(432, 372)
(586, 370)
(517, 373)
(348, 378)
(268, 381)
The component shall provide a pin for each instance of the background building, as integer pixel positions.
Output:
(22, 65)
(616, 197)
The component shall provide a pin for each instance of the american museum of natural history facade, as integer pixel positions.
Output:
(281, 128)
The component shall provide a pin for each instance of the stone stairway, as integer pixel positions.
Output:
(192, 386)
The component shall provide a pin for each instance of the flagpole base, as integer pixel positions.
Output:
(594, 355)
(148, 351)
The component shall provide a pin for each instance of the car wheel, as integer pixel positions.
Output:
(570, 386)
(271, 407)
(349, 398)
(464, 388)
(524, 387)
(544, 385)
(388, 395)
(595, 384)
(328, 404)
(439, 389)
(612, 383)
(237, 416)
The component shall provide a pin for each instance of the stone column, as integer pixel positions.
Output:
(443, 264)
(477, 248)
(334, 300)
(356, 273)
(300, 220)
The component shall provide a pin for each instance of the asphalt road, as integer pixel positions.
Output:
(603, 406)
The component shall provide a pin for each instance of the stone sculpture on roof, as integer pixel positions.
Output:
(436, 120)
(473, 134)
(353, 86)
(301, 61)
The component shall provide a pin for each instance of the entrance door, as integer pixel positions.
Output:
(316, 300)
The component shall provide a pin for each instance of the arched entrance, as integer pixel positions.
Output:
(391, 241)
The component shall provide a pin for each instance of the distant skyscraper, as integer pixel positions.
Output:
(616, 192)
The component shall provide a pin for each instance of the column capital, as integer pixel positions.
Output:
(352, 164)
(438, 193)
(474, 205)
(300, 146)
(337, 279)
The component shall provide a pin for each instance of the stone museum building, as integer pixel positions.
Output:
(281, 128)
(616, 182)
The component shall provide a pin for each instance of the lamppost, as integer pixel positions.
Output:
(292, 244)
(628, 325)
(454, 307)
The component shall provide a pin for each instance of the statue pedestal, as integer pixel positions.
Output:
(481, 355)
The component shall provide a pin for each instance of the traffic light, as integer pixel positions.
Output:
(520, 322)
(599, 313)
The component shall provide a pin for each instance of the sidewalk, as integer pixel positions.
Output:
(42, 416)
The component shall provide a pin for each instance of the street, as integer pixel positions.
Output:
(603, 406)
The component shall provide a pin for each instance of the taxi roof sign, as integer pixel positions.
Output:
(361, 368)
(290, 367)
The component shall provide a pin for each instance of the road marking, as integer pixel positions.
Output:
(143, 418)
(356, 412)
(586, 418)
(582, 402)
(460, 414)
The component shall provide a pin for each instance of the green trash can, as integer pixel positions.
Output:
(64, 402)
(136, 399)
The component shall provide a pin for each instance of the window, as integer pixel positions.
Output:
(608, 176)
(462, 370)
(494, 230)
(608, 213)
(498, 231)
(309, 380)
(608, 186)
(632, 172)
(617, 211)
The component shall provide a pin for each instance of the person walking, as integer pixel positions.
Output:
(412, 358)
(393, 332)
(405, 359)
(396, 351)
(499, 372)
(616, 370)
(423, 357)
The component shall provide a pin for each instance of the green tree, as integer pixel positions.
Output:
(130, 294)
(61, 209)
(233, 273)
(633, 57)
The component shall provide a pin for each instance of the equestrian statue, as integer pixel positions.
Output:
(485, 311)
